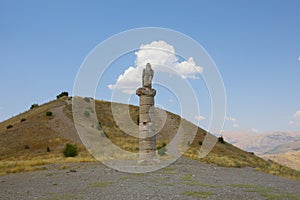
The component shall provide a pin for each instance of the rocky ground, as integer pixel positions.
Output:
(185, 179)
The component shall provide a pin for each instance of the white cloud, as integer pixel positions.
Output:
(199, 118)
(162, 57)
(232, 120)
(254, 130)
(297, 115)
(235, 125)
(296, 118)
(299, 58)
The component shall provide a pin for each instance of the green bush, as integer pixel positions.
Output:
(49, 114)
(99, 126)
(9, 126)
(63, 94)
(23, 120)
(87, 113)
(86, 99)
(70, 150)
(48, 149)
(200, 143)
(221, 139)
(103, 134)
(162, 149)
(34, 106)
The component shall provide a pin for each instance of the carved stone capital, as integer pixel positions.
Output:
(146, 91)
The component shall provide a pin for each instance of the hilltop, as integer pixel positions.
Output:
(36, 137)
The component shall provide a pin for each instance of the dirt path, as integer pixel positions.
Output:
(63, 124)
(185, 179)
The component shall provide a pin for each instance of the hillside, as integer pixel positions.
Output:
(32, 139)
(281, 147)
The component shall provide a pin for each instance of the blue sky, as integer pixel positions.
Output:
(255, 44)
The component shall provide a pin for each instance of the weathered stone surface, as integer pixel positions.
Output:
(145, 118)
(146, 109)
(147, 143)
(146, 91)
(146, 100)
(147, 76)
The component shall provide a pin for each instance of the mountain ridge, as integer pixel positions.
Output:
(279, 146)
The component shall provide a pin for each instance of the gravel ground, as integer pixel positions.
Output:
(185, 179)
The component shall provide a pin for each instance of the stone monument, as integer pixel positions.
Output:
(147, 139)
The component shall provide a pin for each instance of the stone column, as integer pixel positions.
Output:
(147, 139)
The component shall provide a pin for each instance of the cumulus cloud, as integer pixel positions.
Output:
(299, 58)
(199, 118)
(162, 57)
(296, 118)
(297, 115)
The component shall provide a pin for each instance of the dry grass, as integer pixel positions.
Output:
(290, 159)
(15, 165)
(39, 132)
(240, 159)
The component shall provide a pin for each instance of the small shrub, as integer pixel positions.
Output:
(23, 120)
(70, 150)
(86, 99)
(200, 143)
(103, 134)
(73, 170)
(99, 128)
(221, 139)
(49, 114)
(26, 146)
(87, 113)
(9, 126)
(189, 143)
(162, 149)
(48, 149)
(35, 105)
(63, 94)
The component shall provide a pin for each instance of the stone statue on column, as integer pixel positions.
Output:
(147, 138)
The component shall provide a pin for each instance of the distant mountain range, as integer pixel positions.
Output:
(282, 147)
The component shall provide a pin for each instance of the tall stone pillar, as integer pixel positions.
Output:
(147, 138)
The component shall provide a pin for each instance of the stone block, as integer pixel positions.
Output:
(146, 100)
(144, 118)
(147, 145)
(146, 109)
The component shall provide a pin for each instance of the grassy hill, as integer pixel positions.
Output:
(38, 137)
(281, 147)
